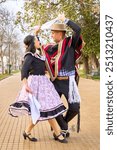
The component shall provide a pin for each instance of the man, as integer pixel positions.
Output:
(61, 59)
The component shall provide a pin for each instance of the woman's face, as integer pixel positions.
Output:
(36, 43)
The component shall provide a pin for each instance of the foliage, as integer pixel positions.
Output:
(90, 26)
(83, 12)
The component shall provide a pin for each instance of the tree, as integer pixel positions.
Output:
(2, 1)
(84, 12)
(4, 22)
(7, 36)
(91, 30)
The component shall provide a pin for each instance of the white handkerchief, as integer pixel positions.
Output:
(48, 24)
(74, 96)
(35, 108)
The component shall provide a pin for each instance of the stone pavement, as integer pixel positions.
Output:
(11, 128)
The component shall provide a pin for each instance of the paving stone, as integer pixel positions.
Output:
(11, 129)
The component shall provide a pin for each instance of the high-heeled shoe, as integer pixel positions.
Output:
(25, 135)
(56, 137)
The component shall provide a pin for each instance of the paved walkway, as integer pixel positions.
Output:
(11, 128)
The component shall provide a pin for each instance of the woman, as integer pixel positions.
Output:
(36, 83)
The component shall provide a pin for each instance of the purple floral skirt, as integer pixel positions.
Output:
(45, 93)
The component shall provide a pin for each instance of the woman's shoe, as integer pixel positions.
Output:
(56, 137)
(25, 135)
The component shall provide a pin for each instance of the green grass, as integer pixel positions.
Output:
(88, 76)
(96, 77)
(15, 71)
(3, 76)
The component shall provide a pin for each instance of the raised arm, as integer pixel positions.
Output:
(74, 27)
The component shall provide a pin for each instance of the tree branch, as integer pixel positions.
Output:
(2, 1)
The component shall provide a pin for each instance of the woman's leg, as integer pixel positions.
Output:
(27, 132)
(30, 127)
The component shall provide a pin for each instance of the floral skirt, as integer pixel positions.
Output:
(45, 93)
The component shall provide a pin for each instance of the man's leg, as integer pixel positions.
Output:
(61, 121)
(62, 87)
(72, 111)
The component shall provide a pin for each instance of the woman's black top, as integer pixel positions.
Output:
(33, 65)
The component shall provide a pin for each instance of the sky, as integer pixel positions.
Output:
(13, 5)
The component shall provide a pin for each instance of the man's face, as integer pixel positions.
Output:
(56, 35)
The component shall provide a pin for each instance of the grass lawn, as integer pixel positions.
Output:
(3, 76)
(88, 76)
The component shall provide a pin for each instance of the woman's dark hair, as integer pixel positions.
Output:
(29, 41)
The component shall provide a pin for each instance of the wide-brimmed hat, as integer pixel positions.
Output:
(58, 27)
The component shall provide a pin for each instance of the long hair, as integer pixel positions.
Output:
(29, 42)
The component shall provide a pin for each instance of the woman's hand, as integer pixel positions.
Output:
(36, 30)
(28, 89)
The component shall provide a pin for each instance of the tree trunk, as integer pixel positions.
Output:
(95, 60)
(2, 62)
(2, 65)
(86, 65)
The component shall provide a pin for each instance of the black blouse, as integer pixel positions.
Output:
(32, 65)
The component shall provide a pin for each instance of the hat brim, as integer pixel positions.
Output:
(58, 29)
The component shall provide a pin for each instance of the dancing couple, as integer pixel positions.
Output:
(59, 60)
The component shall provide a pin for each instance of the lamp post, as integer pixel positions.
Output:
(9, 70)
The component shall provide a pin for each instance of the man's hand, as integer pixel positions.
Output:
(61, 17)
